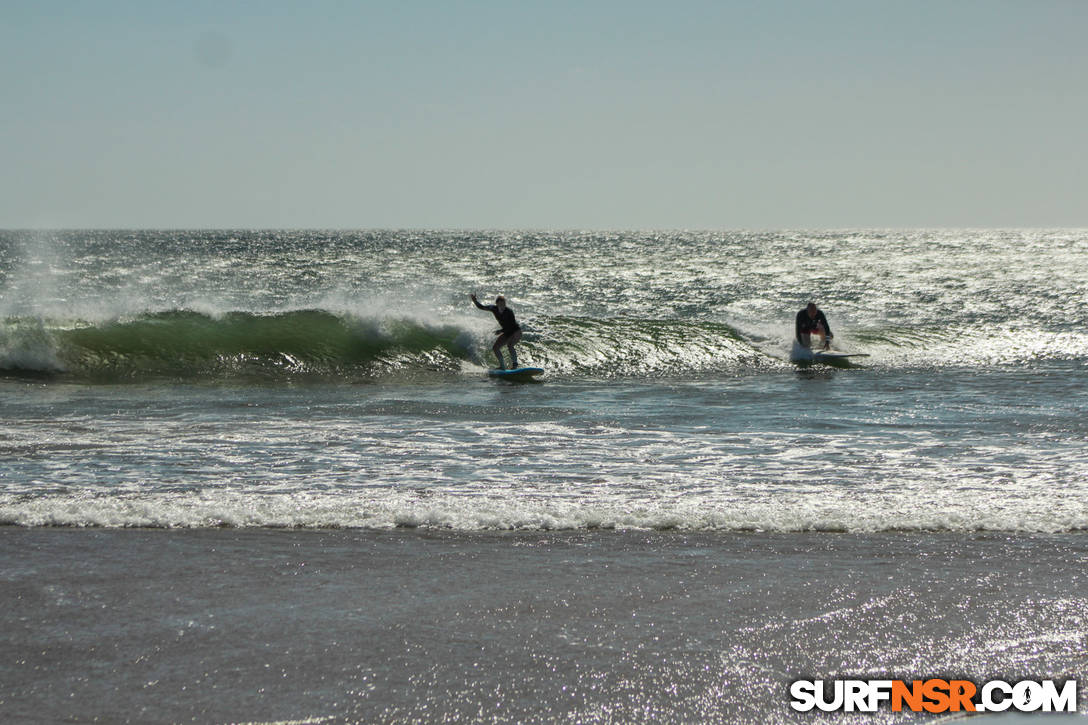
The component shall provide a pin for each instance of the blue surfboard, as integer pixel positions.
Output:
(516, 373)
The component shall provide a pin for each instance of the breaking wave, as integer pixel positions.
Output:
(414, 509)
(321, 344)
(188, 344)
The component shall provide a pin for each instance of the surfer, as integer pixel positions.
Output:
(509, 333)
(811, 320)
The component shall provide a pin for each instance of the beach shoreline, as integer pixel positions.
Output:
(238, 625)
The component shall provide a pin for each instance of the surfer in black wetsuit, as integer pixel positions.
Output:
(510, 332)
(809, 321)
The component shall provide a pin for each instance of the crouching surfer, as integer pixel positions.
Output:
(510, 332)
(811, 321)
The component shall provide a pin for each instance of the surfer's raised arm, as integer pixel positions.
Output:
(477, 302)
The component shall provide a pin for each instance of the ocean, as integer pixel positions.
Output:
(262, 476)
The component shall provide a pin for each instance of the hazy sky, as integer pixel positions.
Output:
(516, 114)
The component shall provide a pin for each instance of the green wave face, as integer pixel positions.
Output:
(182, 343)
(319, 343)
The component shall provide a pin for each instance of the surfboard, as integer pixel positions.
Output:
(831, 355)
(804, 356)
(836, 359)
(516, 373)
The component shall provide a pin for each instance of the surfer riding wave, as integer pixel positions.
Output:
(508, 335)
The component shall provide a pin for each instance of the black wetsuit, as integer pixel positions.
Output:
(807, 325)
(506, 318)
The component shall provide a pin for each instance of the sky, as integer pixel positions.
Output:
(812, 114)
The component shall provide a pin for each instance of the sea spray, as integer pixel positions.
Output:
(26, 345)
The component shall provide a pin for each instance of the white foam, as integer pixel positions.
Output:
(773, 513)
(28, 345)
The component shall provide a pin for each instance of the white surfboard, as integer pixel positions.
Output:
(835, 355)
(804, 356)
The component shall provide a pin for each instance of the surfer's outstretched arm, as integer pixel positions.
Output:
(489, 308)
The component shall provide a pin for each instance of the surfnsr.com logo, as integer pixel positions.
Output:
(933, 695)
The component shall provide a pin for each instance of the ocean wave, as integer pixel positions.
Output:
(354, 510)
(322, 343)
(319, 343)
(606, 347)
(185, 343)
(959, 346)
